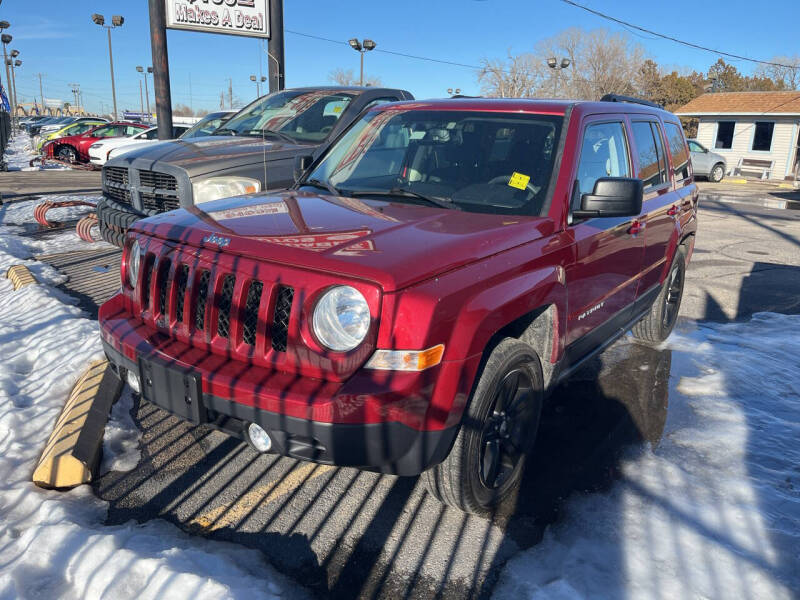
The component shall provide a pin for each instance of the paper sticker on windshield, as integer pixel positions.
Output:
(519, 181)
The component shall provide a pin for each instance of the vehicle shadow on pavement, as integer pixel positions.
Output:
(343, 533)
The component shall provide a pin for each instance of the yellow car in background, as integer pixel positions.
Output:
(71, 129)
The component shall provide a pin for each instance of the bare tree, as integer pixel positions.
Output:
(601, 62)
(788, 75)
(181, 110)
(347, 77)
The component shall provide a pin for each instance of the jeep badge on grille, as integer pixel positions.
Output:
(216, 239)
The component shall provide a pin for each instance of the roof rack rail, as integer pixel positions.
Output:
(631, 99)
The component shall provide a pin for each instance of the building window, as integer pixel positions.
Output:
(725, 135)
(762, 137)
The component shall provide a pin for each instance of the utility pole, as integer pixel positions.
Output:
(141, 97)
(76, 90)
(191, 103)
(277, 70)
(230, 92)
(158, 42)
(41, 89)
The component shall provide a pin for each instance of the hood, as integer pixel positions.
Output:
(393, 244)
(199, 156)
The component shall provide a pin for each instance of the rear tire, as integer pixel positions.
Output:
(717, 173)
(657, 324)
(498, 429)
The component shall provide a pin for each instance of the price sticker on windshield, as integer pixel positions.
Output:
(519, 181)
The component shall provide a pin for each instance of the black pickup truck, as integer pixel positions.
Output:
(254, 151)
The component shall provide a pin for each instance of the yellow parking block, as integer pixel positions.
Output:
(735, 180)
(73, 450)
(20, 276)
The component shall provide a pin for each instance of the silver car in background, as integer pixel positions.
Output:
(706, 163)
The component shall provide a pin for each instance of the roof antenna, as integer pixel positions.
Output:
(264, 149)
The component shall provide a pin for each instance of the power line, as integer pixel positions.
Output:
(626, 24)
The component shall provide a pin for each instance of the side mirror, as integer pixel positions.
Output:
(301, 163)
(612, 197)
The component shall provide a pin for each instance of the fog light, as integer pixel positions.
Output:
(258, 438)
(133, 381)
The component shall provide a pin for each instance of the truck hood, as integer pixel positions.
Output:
(200, 156)
(394, 244)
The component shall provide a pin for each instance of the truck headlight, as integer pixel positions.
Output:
(215, 188)
(341, 318)
(132, 264)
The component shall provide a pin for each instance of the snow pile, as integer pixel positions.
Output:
(53, 544)
(20, 152)
(714, 510)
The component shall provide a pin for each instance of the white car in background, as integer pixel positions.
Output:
(101, 152)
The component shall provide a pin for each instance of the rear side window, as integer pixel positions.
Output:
(650, 153)
(678, 151)
(604, 153)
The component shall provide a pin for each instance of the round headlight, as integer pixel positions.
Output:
(341, 318)
(134, 258)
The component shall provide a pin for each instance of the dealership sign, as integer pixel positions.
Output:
(238, 17)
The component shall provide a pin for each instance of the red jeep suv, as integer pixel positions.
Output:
(409, 303)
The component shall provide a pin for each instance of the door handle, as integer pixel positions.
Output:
(636, 227)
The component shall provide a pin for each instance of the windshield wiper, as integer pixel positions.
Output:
(406, 193)
(322, 185)
(284, 136)
(225, 131)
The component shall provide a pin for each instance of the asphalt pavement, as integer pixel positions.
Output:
(344, 533)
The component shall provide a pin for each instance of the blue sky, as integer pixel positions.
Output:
(58, 39)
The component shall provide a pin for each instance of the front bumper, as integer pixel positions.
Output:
(340, 425)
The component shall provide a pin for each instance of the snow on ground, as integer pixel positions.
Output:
(20, 152)
(54, 544)
(714, 510)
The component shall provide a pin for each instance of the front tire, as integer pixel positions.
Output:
(717, 173)
(657, 324)
(499, 428)
(67, 154)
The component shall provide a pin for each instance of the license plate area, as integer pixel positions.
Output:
(176, 390)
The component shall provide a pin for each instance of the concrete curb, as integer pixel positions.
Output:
(73, 451)
(20, 276)
(765, 202)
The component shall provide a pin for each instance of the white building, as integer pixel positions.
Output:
(759, 129)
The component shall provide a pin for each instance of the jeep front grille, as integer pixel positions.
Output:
(211, 304)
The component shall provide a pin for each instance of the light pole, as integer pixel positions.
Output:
(553, 63)
(356, 45)
(14, 62)
(116, 21)
(6, 40)
(258, 82)
(144, 72)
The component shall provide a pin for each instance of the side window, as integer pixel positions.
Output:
(151, 135)
(604, 153)
(695, 147)
(725, 135)
(647, 153)
(678, 151)
(662, 155)
(131, 130)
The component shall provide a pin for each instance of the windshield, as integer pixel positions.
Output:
(303, 116)
(475, 161)
(205, 126)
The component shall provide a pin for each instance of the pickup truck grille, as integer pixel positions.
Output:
(156, 192)
(214, 306)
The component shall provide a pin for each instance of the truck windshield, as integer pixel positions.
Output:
(303, 116)
(476, 161)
